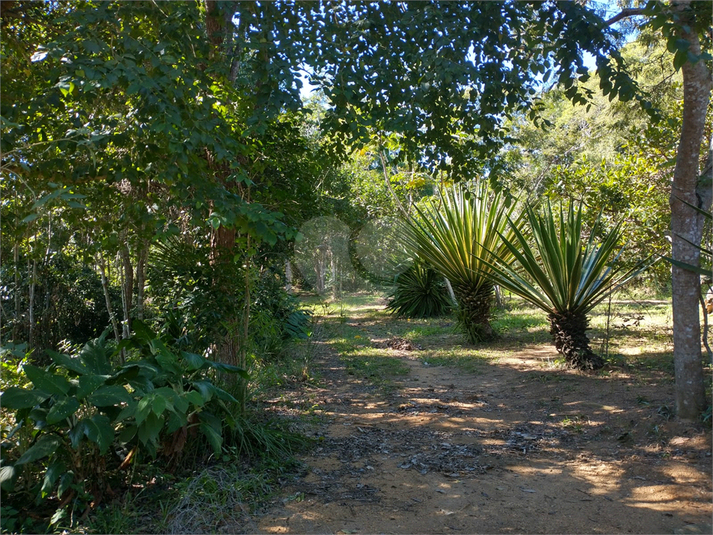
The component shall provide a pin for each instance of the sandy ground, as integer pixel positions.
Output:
(517, 447)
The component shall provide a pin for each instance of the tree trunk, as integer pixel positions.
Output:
(33, 282)
(16, 259)
(335, 288)
(288, 277)
(141, 279)
(127, 286)
(569, 333)
(474, 305)
(107, 298)
(686, 230)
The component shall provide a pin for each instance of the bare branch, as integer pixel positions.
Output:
(625, 13)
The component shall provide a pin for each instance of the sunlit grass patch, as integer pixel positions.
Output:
(633, 334)
(421, 332)
(463, 358)
(519, 318)
(375, 365)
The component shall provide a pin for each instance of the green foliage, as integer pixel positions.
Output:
(276, 318)
(420, 292)
(69, 301)
(563, 273)
(82, 409)
(417, 71)
(568, 271)
(461, 239)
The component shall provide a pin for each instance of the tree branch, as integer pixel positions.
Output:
(625, 13)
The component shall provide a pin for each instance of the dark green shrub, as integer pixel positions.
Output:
(276, 315)
(69, 302)
(84, 419)
(420, 292)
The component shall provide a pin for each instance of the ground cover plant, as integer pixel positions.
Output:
(420, 292)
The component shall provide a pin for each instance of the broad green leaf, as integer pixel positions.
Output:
(180, 404)
(205, 388)
(193, 361)
(143, 409)
(46, 445)
(127, 412)
(158, 405)
(175, 421)
(76, 433)
(65, 483)
(95, 357)
(19, 398)
(105, 432)
(47, 381)
(44, 200)
(150, 429)
(88, 384)
(229, 368)
(62, 408)
(60, 514)
(142, 332)
(8, 475)
(195, 397)
(128, 433)
(51, 476)
(127, 373)
(110, 395)
(213, 436)
(70, 363)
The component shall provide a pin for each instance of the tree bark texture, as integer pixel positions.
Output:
(142, 257)
(288, 276)
(686, 230)
(33, 283)
(107, 298)
(474, 305)
(127, 287)
(569, 333)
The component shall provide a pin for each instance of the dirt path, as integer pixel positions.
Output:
(517, 447)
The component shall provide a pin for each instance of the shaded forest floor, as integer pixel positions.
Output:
(419, 434)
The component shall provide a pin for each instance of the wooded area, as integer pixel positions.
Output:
(178, 176)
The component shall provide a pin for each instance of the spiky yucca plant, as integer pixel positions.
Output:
(420, 292)
(565, 274)
(455, 238)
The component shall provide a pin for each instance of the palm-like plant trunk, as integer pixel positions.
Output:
(474, 304)
(569, 332)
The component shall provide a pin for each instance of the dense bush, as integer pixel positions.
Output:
(420, 292)
(276, 316)
(84, 420)
(68, 302)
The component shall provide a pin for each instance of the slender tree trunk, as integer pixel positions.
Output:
(141, 279)
(16, 259)
(288, 277)
(704, 335)
(687, 228)
(107, 298)
(125, 276)
(33, 277)
(335, 288)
